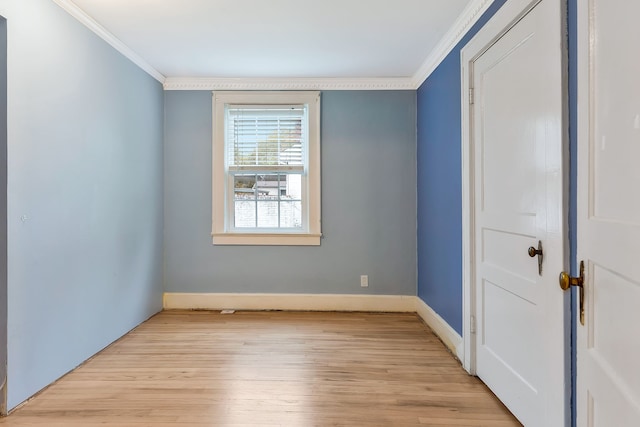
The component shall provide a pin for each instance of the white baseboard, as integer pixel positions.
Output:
(319, 302)
(304, 302)
(441, 328)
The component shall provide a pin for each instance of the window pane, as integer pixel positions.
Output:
(268, 186)
(245, 214)
(291, 187)
(244, 186)
(291, 214)
(268, 214)
(270, 200)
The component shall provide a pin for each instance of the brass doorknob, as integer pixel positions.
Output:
(533, 251)
(566, 281)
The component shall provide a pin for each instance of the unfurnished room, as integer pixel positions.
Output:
(319, 213)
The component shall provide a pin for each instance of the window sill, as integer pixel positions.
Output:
(257, 239)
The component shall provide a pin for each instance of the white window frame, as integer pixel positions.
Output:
(222, 231)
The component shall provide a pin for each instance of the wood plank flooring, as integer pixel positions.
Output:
(185, 368)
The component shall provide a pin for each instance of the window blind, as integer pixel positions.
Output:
(265, 138)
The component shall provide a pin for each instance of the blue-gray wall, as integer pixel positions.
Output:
(84, 194)
(368, 203)
(440, 184)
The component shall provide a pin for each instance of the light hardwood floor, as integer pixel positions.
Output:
(190, 369)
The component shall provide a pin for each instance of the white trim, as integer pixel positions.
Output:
(468, 226)
(270, 239)
(229, 83)
(221, 231)
(458, 30)
(70, 7)
(499, 24)
(303, 302)
(441, 328)
(320, 302)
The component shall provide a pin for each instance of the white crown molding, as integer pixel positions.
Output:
(224, 83)
(463, 24)
(73, 10)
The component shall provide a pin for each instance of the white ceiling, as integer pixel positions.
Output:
(281, 38)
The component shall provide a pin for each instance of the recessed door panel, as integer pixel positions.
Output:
(618, 300)
(616, 111)
(509, 159)
(504, 250)
(505, 340)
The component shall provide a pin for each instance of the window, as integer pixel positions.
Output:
(266, 168)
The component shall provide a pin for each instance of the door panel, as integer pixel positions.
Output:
(517, 151)
(613, 313)
(505, 185)
(498, 337)
(502, 248)
(608, 380)
(616, 112)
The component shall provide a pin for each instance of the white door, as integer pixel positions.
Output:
(517, 140)
(608, 376)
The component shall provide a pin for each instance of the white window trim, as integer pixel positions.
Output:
(221, 234)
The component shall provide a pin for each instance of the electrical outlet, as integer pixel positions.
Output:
(364, 281)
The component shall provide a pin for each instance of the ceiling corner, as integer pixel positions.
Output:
(463, 24)
(70, 7)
